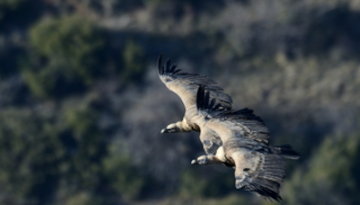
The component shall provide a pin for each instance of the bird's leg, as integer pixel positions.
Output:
(218, 158)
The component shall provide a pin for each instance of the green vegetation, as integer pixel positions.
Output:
(67, 50)
(133, 56)
(188, 188)
(332, 175)
(81, 106)
(124, 177)
(48, 156)
(194, 184)
(9, 5)
(30, 156)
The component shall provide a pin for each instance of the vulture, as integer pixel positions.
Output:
(259, 167)
(185, 85)
(238, 139)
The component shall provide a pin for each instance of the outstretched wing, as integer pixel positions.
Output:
(259, 167)
(264, 178)
(185, 85)
(242, 122)
(245, 124)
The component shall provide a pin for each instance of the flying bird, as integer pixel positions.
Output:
(237, 139)
(259, 167)
(185, 85)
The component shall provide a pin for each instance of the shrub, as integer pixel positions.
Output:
(123, 176)
(9, 5)
(332, 176)
(65, 56)
(133, 57)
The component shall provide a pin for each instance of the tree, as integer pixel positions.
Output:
(332, 174)
(63, 56)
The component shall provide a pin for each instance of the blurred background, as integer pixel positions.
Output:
(81, 105)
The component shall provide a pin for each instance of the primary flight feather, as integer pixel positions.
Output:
(238, 139)
(185, 85)
(259, 167)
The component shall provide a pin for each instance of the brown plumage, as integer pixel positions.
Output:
(185, 85)
(235, 138)
(259, 167)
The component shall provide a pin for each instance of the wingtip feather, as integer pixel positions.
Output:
(160, 66)
(200, 97)
(168, 65)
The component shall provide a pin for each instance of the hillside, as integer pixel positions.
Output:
(82, 106)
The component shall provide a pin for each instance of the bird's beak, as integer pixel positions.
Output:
(193, 161)
(163, 131)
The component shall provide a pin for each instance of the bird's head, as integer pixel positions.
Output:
(172, 128)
